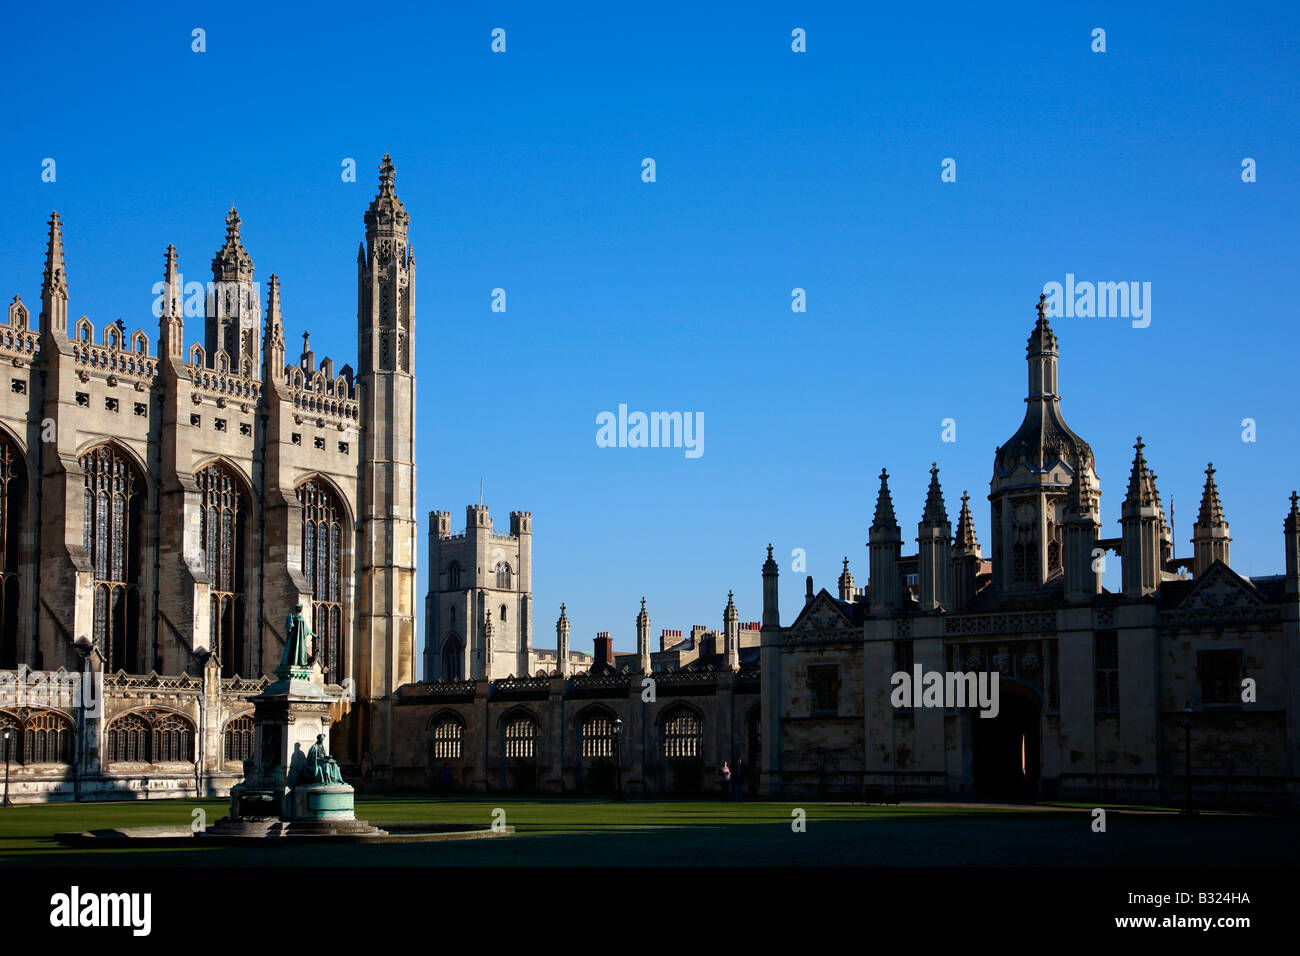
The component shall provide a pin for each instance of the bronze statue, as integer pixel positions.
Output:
(321, 767)
(296, 634)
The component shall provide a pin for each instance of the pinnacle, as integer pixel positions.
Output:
(1211, 514)
(936, 512)
(965, 539)
(884, 517)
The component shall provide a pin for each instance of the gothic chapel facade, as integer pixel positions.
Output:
(161, 510)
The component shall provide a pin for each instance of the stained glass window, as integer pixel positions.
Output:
(224, 540)
(12, 497)
(322, 550)
(111, 534)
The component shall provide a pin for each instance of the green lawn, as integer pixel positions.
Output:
(564, 832)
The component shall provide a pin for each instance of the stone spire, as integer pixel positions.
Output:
(1033, 470)
(965, 542)
(731, 633)
(232, 262)
(884, 518)
(1141, 483)
(771, 606)
(936, 512)
(273, 343)
(846, 582)
(54, 286)
(1210, 537)
(386, 212)
(964, 560)
(562, 643)
(643, 638)
(171, 319)
(885, 546)
(934, 540)
(1143, 523)
(233, 320)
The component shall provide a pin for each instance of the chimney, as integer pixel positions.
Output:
(604, 649)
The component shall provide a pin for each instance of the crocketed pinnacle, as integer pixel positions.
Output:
(232, 262)
(936, 512)
(1211, 515)
(964, 541)
(884, 517)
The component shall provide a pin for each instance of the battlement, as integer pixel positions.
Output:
(521, 522)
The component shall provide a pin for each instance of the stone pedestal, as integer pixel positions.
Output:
(276, 796)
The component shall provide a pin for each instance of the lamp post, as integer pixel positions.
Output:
(618, 757)
(1188, 810)
(6, 805)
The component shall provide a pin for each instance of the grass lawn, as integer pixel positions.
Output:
(572, 832)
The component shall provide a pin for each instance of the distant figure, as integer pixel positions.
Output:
(444, 778)
(738, 780)
(725, 774)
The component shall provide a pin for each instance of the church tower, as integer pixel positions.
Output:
(234, 309)
(1032, 475)
(385, 648)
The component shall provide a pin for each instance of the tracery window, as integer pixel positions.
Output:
(322, 565)
(596, 734)
(12, 495)
(111, 536)
(453, 577)
(151, 736)
(41, 736)
(683, 732)
(503, 575)
(224, 544)
(239, 738)
(448, 737)
(521, 737)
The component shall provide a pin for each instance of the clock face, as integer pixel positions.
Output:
(1024, 513)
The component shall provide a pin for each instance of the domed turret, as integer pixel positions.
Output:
(1032, 474)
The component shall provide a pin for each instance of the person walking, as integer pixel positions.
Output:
(738, 780)
(725, 774)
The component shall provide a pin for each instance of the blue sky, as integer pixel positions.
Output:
(775, 170)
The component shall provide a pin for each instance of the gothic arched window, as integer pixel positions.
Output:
(239, 738)
(151, 736)
(453, 666)
(520, 733)
(596, 733)
(503, 575)
(683, 733)
(224, 544)
(503, 612)
(448, 737)
(111, 535)
(322, 566)
(453, 576)
(13, 486)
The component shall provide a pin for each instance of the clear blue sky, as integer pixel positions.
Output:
(775, 170)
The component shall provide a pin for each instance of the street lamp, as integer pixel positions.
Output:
(6, 803)
(1188, 810)
(618, 757)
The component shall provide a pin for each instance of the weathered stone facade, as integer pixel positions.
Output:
(1100, 692)
(162, 512)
